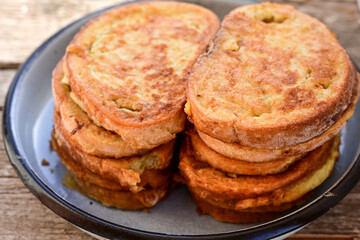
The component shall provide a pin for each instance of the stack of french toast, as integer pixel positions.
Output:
(267, 103)
(119, 93)
(267, 93)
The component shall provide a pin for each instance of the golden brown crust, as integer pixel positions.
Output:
(274, 78)
(237, 151)
(205, 154)
(129, 67)
(124, 171)
(82, 131)
(149, 178)
(244, 192)
(122, 199)
(233, 216)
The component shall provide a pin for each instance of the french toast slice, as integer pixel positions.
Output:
(125, 171)
(275, 77)
(149, 178)
(234, 166)
(121, 199)
(128, 68)
(82, 131)
(241, 192)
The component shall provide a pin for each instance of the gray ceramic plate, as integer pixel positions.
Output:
(27, 126)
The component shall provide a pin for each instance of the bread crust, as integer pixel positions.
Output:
(129, 67)
(247, 192)
(84, 133)
(274, 78)
(257, 154)
(255, 215)
(122, 199)
(233, 166)
(149, 178)
(124, 171)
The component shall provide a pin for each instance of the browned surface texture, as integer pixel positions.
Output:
(254, 215)
(148, 178)
(124, 171)
(128, 67)
(241, 192)
(275, 77)
(122, 199)
(81, 131)
(205, 154)
(24, 217)
(240, 152)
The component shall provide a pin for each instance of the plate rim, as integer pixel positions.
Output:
(104, 228)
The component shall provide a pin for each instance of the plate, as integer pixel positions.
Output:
(27, 125)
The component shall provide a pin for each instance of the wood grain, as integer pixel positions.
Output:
(24, 217)
(24, 24)
(6, 77)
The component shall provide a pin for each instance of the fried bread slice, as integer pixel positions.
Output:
(274, 78)
(256, 154)
(128, 68)
(150, 178)
(246, 192)
(240, 152)
(82, 131)
(233, 166)
(124, 171)
(254, 215)
(120, 199)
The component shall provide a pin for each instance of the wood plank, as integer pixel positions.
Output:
(25, 24)
(6, 77)
(6, 170)
(24, 217)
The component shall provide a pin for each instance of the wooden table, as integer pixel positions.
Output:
(24, 24)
